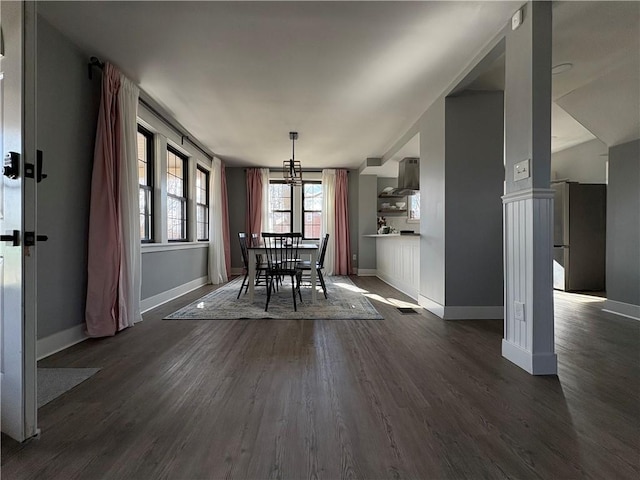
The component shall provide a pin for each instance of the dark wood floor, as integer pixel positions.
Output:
(410, 396)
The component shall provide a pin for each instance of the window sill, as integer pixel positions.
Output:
(167, 247)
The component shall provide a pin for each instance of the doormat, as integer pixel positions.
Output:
(53, 382)
(345, 302)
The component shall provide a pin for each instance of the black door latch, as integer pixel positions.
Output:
(13, 238)
(30, 238)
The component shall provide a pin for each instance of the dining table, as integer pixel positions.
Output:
(310, 249)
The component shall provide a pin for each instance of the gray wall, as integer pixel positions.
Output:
(67, 114)
(354, 205)
(162, 271)
(367, 217)
(527, 115)
(237, 201)
(623, 224)
(474, 179)
(432, 208)
(584, 163)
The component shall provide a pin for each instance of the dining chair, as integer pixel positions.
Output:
(282, 260)
(260, 266)
(306, 265)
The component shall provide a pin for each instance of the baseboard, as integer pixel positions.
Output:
(431, 306)
(236, 271)
(164, 297)
(474, 313)
(628, 310)
(406, 289)
(533, 363)
(366, 272)
(59, 341)
(461, 313)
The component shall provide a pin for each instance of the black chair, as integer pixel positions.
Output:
(282, 259)
(260, 267)
(306, 265)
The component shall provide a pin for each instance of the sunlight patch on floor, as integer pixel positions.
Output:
(353, 288)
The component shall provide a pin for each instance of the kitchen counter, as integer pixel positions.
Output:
(398, 261)
(379, 235)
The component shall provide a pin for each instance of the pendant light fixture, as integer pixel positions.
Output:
(291, 169)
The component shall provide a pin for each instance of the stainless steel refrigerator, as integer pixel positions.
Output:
(579, 236)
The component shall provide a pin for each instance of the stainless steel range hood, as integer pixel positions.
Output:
(408, 176)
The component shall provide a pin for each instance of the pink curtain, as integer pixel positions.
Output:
(254, 202)
(342, 255)
(101, 312)
(225, 220)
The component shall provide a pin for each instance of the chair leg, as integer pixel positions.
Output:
(324, 287)
(242, 286)
(268, 291)
(298, 281)
(293, 292)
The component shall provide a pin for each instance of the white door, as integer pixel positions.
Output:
(17, 202)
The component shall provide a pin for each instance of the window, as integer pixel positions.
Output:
(414, 206)
(280, 207)
(145, 181)
(202, 203)
(311, 210)
(176, 196)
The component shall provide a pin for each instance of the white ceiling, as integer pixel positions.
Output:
(350, 77)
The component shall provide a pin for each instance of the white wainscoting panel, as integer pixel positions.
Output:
(528, 262)
(398, 263)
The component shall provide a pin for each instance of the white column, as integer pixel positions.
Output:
(528, 308)
(528, 203)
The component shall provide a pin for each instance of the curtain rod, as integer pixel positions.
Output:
(304, 170)
(95, 62)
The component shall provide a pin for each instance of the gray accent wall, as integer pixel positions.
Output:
(527, 111)
(353, 195)
(162, 271)
(237, 203)
(367, 218)
(623, 224)
(67, 112)
(474, 178)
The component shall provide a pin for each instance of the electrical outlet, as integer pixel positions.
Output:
(521, 170)
(518, 311)
(355, 257)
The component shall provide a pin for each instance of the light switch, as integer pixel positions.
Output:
(521, 170)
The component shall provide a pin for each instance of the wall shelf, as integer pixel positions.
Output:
(382, 195)
(392, 210)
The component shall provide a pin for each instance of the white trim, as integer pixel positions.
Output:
(164, 247)
(527, 194)
(236, 271)
(164, 297)
(628, 310)
(366, 272)
(430, 305)
(403, 287)
(59, 341)
(535, 364)
(461, 313)
(474, 313)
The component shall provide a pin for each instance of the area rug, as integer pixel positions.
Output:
(53, 382)
(345, 302)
